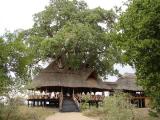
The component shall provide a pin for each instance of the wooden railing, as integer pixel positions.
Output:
(42, 97)
(77, 97)
(76, 101)
(96, 97)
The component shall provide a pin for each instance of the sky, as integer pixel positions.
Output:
(18, 14)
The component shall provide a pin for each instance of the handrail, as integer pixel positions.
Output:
(76, 101)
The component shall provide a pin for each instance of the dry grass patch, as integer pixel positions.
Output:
(94, 113)
(139, 114)
(14, 112)
(36, 113)
(143, 114)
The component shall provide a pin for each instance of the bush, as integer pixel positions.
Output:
(11, 111)
(84, 105)
(118, 107)
(14, 111)
(115, 107)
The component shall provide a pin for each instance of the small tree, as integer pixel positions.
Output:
(118, 107)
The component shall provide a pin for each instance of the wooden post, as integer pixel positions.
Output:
(97, 104)
(34, 102)
(44, 102)
(41, 102)
(73, 93)
(103, 94)
(28, 103)
(141, 103)
(61, 99)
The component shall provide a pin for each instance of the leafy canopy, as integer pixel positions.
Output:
(75, 36)
(140, 38)
(14, 59)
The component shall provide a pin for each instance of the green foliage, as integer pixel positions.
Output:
(13, 111)
(3, 72)
(71, 34)
(85, 105)
(14, 58)
(140, 39)
(116, 107)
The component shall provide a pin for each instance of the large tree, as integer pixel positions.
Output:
(69, 32)
(139, 30)
(14, 60)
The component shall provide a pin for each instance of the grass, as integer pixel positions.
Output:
(36, 113)
(143, 114)
(94, 112)
(139, 114)
(25, 113)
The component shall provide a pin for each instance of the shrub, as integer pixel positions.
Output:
(116, 107)
(84, 105)
(14, 111)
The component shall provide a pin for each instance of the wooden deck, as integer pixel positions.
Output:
(47, 101)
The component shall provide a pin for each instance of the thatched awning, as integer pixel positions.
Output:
(128, 82)
(52, 76)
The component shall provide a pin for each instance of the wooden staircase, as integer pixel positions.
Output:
(69, 105)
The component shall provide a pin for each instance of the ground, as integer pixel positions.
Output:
(69, 116)
(143, 114)
(140, 114)
(41, 113)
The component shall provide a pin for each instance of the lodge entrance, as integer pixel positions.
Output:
(67, 92)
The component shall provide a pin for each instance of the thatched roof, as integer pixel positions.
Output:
(110, 85)
(53, 76)
(128, 82)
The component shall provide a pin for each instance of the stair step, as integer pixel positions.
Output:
(69, 106)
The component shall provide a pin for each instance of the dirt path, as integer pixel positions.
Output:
(68, 116)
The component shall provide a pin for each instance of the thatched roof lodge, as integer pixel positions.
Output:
(70, 83)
